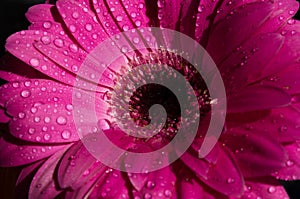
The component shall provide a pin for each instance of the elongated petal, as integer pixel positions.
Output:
(225, 175)
(77, 167)
(291, 169)
(221, 42)
(23, 153)
(256, 154)
(43, 184)
(267, 188)
(258, 98)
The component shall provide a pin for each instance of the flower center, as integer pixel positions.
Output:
(131, 104)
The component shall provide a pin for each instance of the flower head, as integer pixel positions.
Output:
(255, 46)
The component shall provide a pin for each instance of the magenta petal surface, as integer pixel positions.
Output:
(43, 185)
(264, 154)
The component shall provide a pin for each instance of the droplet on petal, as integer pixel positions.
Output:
(61, 120)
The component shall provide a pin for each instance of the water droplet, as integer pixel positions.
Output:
(61, 120)
(88, 27)
(45, 40)
(125, 27)
(147, 196)
(104, 124)
(34, 62)
(73, 48)
(66, 134)
(168, 193)
(283, 128)
(72, 28)
(47, 137)
(16, 84)
(138, 23)
(69, 107)
(291, 21)
(271, 189)
(21, 115)
(289, 163)
(47, 119)
(161, 3)
(37, 119)
(75, 15)
(25, 93)
(47, 24)
(150, 184)
(59, 43)
(230, 180)
(33, 110)
(136, 40)
(38, 138)
(119, 18)
(124, 49)
(31, 131)
(74, 68)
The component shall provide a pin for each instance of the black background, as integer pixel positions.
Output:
(12, 19)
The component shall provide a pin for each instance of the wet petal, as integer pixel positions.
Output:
(225, 176)
(267, 188)
(42, 184)
(160, 183)
(291, 169)
(77, 167)
(256, 154)
(15, 152)
(221, 41)
(21, 45)
(82, 23)
(258, 98)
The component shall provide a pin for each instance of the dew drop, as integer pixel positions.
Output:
(289, 163)
(72, 28)
(138, 23)
(45, 40)
(271, 189)
(124, 49)
(16, 84)
(47, 24)
(25, 93)
(34, 62)
(75, 15)
(119, 18)
(283, 128)
(89, 27)
(291, 21)
(47, 137)
(61, 120)
(37, 119)
(136, 40)
(104, 124)
(38, 138)
(69, 107)
(230, 180)
(47, 119)
(74, 68)
(73, 48)
(150, 184)
(66, 134)
(21, 115)
(168, 193)
(31, 131)
(59, 43)
(125, 28)
(147, 196)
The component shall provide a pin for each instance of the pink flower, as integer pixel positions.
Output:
(255, 45)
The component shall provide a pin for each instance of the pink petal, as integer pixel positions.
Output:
(40, 12)
(25, 178)
(282, 124)
(3, 116)
(12, 69)
(110, 185)
(160, 183)
(225, 175)
(291, 169)
(221, 42)
(258, 98)
(36, 118)
(77, 167)
(28, 170)
(256, 153)
(264, 188)
(122, 16)
(283, 11)
(169, 13)
(197, 165)
(251, 62)
(15, 152)
(138, 181)
(43, 184)
(82, 23)
(21, 45)
(188, 187)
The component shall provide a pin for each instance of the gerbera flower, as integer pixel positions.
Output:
(255, 45)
